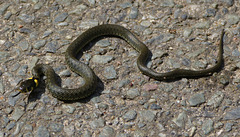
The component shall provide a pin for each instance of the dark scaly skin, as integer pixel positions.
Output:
(90, 78)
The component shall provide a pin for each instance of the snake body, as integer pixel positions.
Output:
(89, 76)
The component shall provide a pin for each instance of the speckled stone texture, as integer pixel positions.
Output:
(180, 34)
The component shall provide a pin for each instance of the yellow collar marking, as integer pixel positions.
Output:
(35, 80)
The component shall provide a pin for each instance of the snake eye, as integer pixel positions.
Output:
(21, 89)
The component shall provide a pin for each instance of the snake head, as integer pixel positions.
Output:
(28, 85)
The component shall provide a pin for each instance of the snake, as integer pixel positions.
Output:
(90, 78)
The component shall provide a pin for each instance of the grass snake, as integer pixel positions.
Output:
(89, 86)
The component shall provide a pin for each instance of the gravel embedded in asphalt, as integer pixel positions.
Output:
(180, 34)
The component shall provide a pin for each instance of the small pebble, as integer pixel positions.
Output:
(60, 17)
(196, 99)
(98, 123)
(150, 87)
(207, 126)
(132, 93)
(147, 115)
(155, 107)
(42, 132)
(110, 72)
(130, 115)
